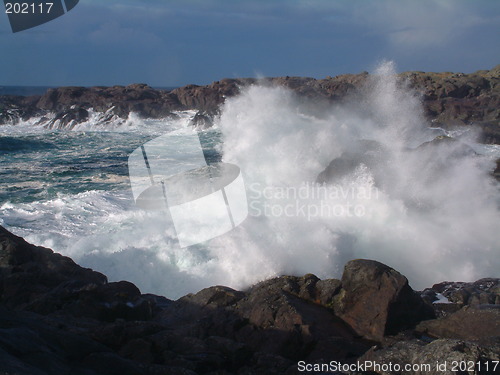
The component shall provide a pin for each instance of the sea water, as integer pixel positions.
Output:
(431, 216)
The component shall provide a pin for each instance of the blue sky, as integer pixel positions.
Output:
(176, 42)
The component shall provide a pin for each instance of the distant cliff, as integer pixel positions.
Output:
(449, 99)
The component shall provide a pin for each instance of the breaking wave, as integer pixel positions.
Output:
(430, 210)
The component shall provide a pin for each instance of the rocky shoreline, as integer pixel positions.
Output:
(59, 318)
(449, 99)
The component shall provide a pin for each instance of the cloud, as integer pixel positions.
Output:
(204, 40)
(421, 24)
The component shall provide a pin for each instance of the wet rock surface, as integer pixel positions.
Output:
(449, 99)
(59, 318)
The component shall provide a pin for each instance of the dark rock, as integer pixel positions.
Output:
(209, 98)
(15, 108)
(283, 323)
(483, 291)
(496, 172)
(202, 120)
(59, 318)
(112, 364)
(375, 300)
(67, 119)
(326, 291)
(138, 350)
(29, 274)
(449, 99)
(118, 334)
(30, 344)
(469, 323)
(265, 363)
(282, 316)
(449, 354)
(109, 302)
(36, 279)
(215, 296)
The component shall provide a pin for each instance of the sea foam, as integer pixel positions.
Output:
(432, 215)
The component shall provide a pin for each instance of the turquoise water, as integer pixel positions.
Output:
(434, 218)
(70, 191)
(44, 164)
(40, 166)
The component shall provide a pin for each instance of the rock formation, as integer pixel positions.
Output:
(449, 99)
(59, 318)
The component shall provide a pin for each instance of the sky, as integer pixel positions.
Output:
(167, 43)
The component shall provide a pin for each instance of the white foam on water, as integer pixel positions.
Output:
(435, 216)
(431, 215)
(100, 122)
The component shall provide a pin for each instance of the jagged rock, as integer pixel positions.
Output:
(483, 291)
(209, 98)
(282, 316)
(68, 118)
(375, 300)
(216, 296)
(202, 120)
(39, 280)
(117, 100)
(56, 317)
(29, 274)
(459, 294)
(440, 357)
(294, 325)
(449, 99)
(14, 108)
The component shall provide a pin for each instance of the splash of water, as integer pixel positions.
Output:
(434, 216)
(430, 211)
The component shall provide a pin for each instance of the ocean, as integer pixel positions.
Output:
(433, 215)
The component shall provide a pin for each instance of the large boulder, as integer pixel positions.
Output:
(290, 320)
(376, 300)
(288, 317)
(29, 273)
(36, 279)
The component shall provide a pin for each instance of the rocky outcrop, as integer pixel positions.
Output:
(449, 99)
(59, 318)
(375, 300)
(458, 99)
(481, 292)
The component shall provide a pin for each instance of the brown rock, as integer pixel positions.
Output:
(449, 99)
(375, 300)
(469, 323)
(295, 325)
